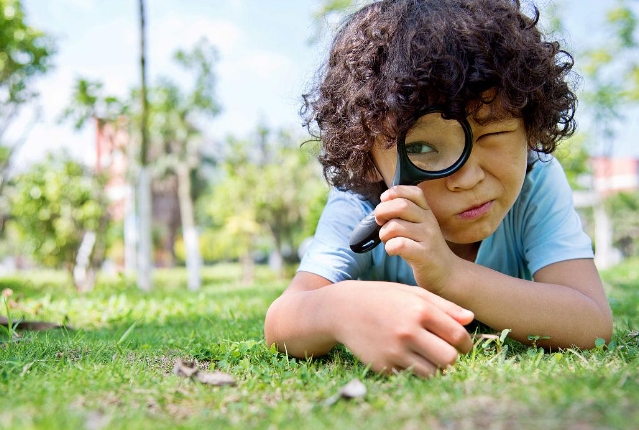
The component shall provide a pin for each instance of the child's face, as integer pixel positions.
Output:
(471, 203)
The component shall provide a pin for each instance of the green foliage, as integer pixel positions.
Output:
(87, 102)
(330, 13)
(267, 191)
(173, 121)
(612, 69)
(334, 6)
(115, 367)
(623, 209)
(52, 205)
(200, 61)
(575, 160)
(25, 53)
(176, 113)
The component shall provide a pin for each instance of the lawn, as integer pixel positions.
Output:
(113, 368)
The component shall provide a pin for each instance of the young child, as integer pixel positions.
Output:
(498, 240)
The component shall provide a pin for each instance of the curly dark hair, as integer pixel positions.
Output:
(394, 57)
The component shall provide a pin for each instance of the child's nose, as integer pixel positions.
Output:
(470, 174)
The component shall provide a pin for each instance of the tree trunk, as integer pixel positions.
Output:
(189, 231)
(145, 244)
(276, 260)
(83, 273)
(145, 249)
(248, 268)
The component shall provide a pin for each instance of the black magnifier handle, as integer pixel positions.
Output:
(366, 235)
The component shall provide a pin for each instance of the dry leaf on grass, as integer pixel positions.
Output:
(185, 369)
(6, 294)
(188, 369)
(29, 325)
(215, 378)
(355, 388)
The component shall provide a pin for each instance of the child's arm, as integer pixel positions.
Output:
(566, 301)
(389, 326)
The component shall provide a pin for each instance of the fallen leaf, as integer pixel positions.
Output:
(355, 388)
(30, 325)
(215, 378)
(96, 420)
(188, 369)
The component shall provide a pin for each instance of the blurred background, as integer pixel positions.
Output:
(147, 134)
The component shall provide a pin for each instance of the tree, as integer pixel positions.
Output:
(575, 160)
(612, 88)
(287, 192)
(330, 11)
(143, 194)
(176, 137)
(233, 206)
(25, 55)
(270, 189)
(58, 217)
(173, 138)
(612, 73)
(88, 103)
(624, 208)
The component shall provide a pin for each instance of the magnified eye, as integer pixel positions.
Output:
(419, 148)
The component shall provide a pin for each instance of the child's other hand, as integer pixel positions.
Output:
(410, 230)
(393, 327)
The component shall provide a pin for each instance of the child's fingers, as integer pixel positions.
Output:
(448, 330)
(410, 207)
(416, 363)
(460, 314)
(409, 192)
(449, 327)
(435, 350)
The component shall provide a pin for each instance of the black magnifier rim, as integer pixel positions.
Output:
(410, 174)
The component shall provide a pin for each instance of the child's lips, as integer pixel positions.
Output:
(476, 211)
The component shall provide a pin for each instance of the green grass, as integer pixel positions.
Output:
(113, 369)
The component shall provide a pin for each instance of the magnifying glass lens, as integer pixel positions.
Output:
(433, 148)
(434, 144)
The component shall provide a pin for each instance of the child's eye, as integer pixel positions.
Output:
(493, 134)
(419, 148)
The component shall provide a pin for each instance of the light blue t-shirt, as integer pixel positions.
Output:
(541, 228)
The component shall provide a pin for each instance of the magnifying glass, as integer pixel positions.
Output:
(433, 148)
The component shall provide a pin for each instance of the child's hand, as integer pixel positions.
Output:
(393, 327)
(410, 229)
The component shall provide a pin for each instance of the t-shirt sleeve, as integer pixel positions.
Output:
(552, 228)
(329, 254)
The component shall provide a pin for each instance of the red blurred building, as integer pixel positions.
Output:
(613, 175)
(111, 158)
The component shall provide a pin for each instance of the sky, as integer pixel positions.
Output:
(265, 59)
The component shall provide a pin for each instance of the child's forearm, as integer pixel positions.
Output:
(565, 303)
(299, 323)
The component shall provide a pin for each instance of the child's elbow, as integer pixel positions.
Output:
(269, 327)
(601, 328)
(606, 328)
